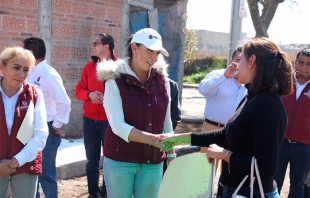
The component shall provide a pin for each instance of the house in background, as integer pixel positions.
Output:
(69, 26)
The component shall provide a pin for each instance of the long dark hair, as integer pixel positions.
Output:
(108, 39)
(274, 69)
(129, 50)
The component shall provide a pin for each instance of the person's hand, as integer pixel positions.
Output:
(6, 167)
(176, 139)
(230, 71)
(215, 152)
(13, 163)
(96, 97)
(163, 146)
(60, 132)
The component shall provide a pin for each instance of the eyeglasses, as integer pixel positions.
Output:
(97, 43)
(152, 36)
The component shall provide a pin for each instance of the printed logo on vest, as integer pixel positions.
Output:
(37, 81)
(307, 94)
(24, 105)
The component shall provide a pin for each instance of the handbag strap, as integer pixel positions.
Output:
(254, 167)
(259, 181)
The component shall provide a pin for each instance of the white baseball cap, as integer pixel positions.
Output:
(151, 39)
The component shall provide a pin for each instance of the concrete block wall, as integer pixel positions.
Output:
(75, 23)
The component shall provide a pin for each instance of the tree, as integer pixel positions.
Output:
(262, 22)
(190, 44)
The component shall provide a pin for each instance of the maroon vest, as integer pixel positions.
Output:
(298, 114)
(10, 145)
(144, 108)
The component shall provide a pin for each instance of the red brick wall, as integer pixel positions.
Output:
(75, 23)
(18, 20)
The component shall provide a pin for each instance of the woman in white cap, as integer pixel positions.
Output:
(137, 104)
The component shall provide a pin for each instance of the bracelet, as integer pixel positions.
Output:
(152, 140)
(173, 155)
(226, 155)
(54, 129)
(190, 140)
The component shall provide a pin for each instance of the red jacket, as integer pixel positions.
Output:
(144, 108)
(10, 145)
(89, 83)
(298, 114)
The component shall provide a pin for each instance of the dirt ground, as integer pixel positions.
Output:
(77, 187)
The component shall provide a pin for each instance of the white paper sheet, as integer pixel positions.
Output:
(26, 129)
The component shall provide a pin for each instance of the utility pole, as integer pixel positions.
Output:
(45, 26)
(124, 27)
(235, 28)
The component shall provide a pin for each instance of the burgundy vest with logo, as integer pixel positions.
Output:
(10, 145)
(144, 108)
(298, 115)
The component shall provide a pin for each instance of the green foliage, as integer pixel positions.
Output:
(190, 44)
(196, 65)
(196, 70)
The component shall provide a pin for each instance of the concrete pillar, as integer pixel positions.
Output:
(124, 27)
(235, 28)
(45, 26)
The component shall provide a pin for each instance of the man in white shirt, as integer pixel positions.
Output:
(223, 93)
(58, 110)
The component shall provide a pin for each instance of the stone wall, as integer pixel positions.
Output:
(75, 23)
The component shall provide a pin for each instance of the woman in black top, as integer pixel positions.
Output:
(258, 125)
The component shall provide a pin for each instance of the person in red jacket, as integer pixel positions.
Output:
(90, 90)
(295, 148)
(23, 125)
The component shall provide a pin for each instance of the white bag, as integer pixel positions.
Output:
(252, 178)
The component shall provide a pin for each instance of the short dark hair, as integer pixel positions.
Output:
(108, 39)
(304, 52)
(36, 46)
(238, 49)
(274, 69)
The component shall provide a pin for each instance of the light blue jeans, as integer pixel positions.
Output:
(124, 179)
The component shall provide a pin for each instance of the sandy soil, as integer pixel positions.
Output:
(77, 187)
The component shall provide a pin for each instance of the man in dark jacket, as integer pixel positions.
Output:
(175, 104)
(175, 109)
(295, 148)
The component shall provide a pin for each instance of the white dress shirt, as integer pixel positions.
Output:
(299, 87)
(38, 140)
(112, 103)
(57, 102)
(222, 96)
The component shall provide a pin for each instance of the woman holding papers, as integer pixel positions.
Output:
(137, 103)
(258, 125)
(23, 126)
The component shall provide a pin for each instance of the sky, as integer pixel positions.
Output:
(290, 25)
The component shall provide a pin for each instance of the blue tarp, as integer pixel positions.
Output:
(139, 20)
